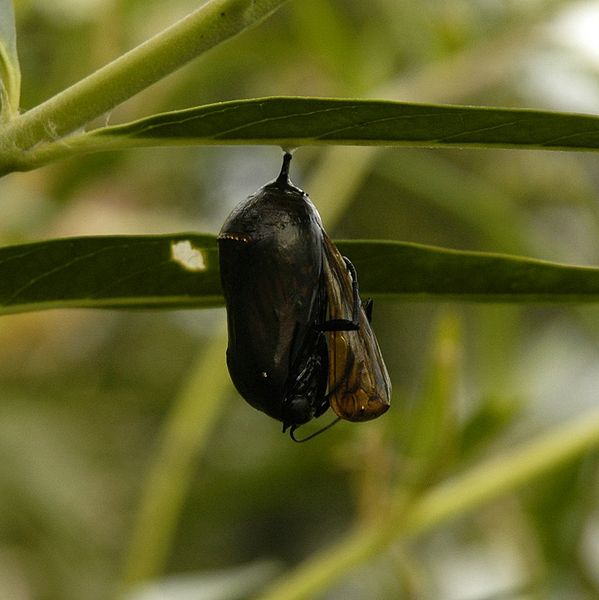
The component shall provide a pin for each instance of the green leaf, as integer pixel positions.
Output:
(293, 121)
(181, 270)
(489, 420)
(116, 271)
(10, 74)
(430, 439)
(415, 271)
(297, 121)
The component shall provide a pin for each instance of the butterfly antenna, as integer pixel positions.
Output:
(312, 435)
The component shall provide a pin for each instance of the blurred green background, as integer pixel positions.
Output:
(86, 395)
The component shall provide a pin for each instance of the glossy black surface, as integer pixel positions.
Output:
(299, 339)
(271, 253)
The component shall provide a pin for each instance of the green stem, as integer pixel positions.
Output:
(483, 483)
(10, 75)
(71, 109)
(184, 436)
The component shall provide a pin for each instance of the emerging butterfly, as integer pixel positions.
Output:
(299, 337)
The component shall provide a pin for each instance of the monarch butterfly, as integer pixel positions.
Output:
(299, 338)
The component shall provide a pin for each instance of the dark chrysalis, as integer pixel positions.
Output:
(299, 337)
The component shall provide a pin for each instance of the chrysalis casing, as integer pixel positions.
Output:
(299, 339)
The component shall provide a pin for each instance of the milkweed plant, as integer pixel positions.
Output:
(471, 222)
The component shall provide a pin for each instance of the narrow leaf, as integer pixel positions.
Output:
(181, 270)
(430, 440)
(10, 74)
(294, 121)
(416, 271)
(115, 271)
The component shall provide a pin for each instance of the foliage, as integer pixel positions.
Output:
(123, 425)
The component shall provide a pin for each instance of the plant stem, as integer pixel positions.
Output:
(10, 75)
(488, 480)
(184, 436)
(71, 109)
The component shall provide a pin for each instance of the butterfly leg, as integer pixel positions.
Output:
(352, 324)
